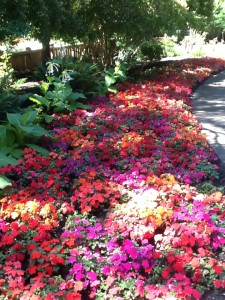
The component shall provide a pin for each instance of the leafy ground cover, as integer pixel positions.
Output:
(114, 212)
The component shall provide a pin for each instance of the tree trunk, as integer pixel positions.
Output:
(46, 55)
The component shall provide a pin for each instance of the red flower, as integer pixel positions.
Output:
(35, 255)
(73, 296)
(7, 239)
(178, 267)
(32, 269)
(216, 283)
(165, 274)
(218, 269)
(156, 255)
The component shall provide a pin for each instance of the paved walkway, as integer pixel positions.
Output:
(208, 102)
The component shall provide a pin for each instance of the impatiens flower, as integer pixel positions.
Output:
(92, 275)
(165, 274)
(217, 283)
(218, 269)
(114, 209)
(73, 296)
(35, 255)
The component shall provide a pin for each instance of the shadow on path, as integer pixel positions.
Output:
(208, 103)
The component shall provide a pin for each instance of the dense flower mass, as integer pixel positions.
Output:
(113, 211)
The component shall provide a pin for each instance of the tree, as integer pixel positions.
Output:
(12, 20)
(217, 25)
(101, 24)
(44, 19)
(109, 23)
(48, 19)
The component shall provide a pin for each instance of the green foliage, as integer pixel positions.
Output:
(12, 20)
(100, 24)
(111, 77)
(4, 182)
(5, 64)
(69, 81)
(19, 131)
(170, 46)
(84, 77)
(216, 27)
(58, 96)
(201, 7)
(127, 22)
(152, 50)
(209, 188)
(8, 100)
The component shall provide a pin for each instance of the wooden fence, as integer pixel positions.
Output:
(30, 59)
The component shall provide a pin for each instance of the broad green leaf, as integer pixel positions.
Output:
(40, 100)
(75, 96)
(76, 105)
(109, 80)
(60, 106)
(45, 86)
(17, 153)
(48, 118)
(14, 119)
(29, 117)
(4, 182)
(24, 97)
(2, 132)
(35, 131)
(112, 89)
(6, 150)
(10, 138)
(26, 129)
(7, 160)
(50, 95)
(39, 149)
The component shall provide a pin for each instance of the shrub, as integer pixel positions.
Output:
(152, 49)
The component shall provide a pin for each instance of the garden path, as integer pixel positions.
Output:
(208, 103)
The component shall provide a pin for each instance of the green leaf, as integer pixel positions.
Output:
(17, 153)
(14, 119)
(112, 89)
(50, 95)
(29, 117)
(60, 106)
(6, 150)
(45, 86)
(40, 100)
(35, 131)
(7, 160)
(76, 105)
(10, 137)
(48, 118)
(4, 182)
(2, 132)
(39, 149)
(109, 80)
(75, 96)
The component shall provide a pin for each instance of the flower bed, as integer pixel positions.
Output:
(113, 211)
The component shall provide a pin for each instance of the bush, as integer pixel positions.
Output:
(152, 50)
(171, 46)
